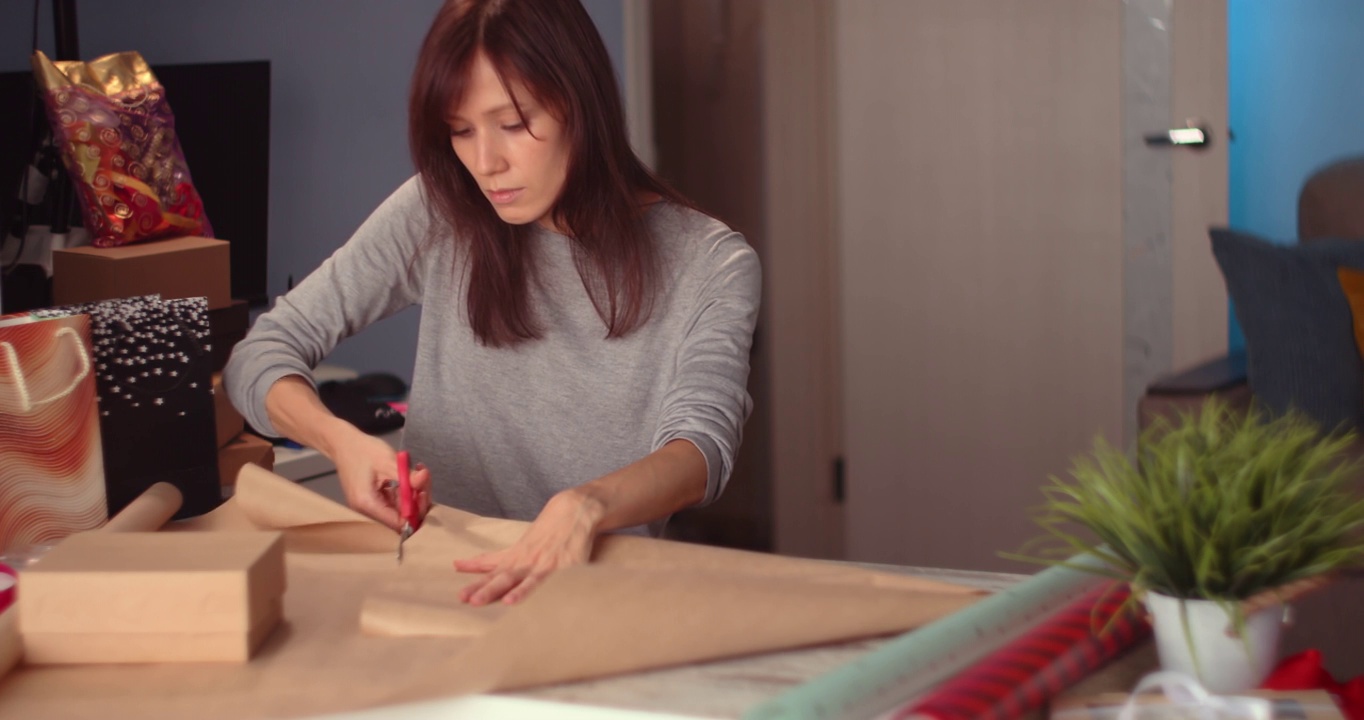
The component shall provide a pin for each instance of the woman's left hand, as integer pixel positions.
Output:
(562, 536)
(669, 479)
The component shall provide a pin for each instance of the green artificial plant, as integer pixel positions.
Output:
(1220, 505)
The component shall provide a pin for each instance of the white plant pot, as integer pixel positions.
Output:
(1222, 660)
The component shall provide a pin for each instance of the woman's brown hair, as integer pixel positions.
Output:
(552, 48)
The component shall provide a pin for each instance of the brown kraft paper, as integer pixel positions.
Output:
(641, 604)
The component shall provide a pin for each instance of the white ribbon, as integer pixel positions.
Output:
(1189, 699)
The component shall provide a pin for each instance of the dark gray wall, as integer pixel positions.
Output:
(340, 71)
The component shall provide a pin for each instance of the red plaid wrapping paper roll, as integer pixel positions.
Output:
(1030, 670)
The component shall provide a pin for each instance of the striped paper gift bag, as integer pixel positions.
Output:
(51, 460)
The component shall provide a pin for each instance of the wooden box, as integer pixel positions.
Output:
(245, 448)
(152, 597)
(227, 326)
(226, 419)
(175, 268)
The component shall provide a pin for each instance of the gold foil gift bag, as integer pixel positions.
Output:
(113, 124)
(51, 458)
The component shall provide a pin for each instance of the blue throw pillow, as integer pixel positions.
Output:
(1299, 332)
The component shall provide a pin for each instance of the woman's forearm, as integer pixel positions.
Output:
(665, 481)
(298, 413)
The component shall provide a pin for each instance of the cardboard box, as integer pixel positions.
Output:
(176, 268)
(153, 597)
(226, 419)
(245, 448)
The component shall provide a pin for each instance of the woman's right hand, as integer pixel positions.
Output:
(364, 463)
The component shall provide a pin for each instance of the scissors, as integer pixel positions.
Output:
(407, 501)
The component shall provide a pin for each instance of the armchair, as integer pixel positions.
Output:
(1331, 205)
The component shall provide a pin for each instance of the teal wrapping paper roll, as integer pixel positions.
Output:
(920, 659)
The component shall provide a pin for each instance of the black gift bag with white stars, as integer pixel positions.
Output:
(154, 384)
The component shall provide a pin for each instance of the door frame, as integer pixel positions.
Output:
(801, 271)
(638, 79)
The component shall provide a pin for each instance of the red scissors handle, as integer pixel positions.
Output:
(407, 498)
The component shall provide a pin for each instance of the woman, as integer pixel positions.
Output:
(583, 349)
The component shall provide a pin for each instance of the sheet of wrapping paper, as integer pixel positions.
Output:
(642, 604)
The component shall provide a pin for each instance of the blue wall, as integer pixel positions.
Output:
(1296, 96)
(338, 146)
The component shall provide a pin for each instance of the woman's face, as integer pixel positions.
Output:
(519, 173)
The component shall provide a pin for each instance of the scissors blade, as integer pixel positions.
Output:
(402, 538)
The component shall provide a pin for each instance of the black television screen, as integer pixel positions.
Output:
(222, 115)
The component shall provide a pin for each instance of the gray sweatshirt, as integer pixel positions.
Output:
(504, 429)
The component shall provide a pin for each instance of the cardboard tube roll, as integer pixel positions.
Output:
(152, 509)
(11, 647)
